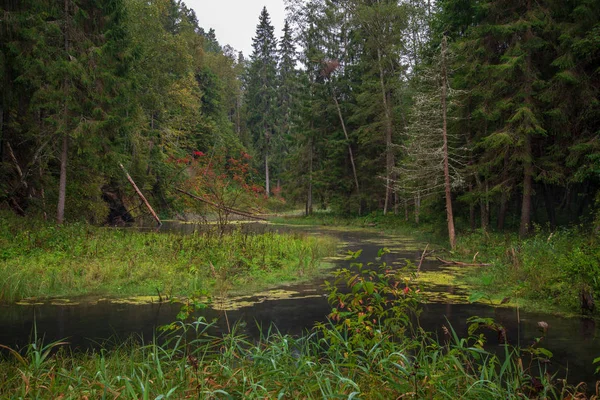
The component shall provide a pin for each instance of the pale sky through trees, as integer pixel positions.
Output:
(234, 21)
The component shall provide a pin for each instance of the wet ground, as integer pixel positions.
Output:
(295, 308)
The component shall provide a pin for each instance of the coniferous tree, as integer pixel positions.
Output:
(262, 92)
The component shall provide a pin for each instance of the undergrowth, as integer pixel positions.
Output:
(40, 259)
(371, 348)
(553, 268)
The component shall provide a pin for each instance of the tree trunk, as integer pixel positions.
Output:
(527, 190)
(504, 196)
(449, 213)
(337, 105)
(267, 180)
(389, 154)
(62, 185)
(2, 131)
(471, 209)
(417, 207)
(550, 208)
(141, 196)
(309, 194)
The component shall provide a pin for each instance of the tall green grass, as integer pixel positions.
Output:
(41, 259)
(550, 269)
(336, 359)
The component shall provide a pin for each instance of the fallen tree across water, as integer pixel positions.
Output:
(228, 209)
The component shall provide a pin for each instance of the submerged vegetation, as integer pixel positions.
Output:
(372, 347)
(42, 260)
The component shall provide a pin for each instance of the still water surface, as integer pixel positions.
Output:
(574, 341)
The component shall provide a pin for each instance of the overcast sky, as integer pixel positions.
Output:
(234, 21)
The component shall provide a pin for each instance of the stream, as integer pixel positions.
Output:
(294, 309)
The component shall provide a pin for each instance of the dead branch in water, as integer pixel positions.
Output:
(464, 264)
(228, 209)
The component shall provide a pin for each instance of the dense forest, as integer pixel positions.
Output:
(474, 113)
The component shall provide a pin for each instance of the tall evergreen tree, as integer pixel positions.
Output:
(262, 91)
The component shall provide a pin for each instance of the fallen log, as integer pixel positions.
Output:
(228, 209)
(464, 264)
(139, 193)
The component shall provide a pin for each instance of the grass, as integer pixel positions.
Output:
(44, 260)
(547, 271)
(390, 223)
(341, 359)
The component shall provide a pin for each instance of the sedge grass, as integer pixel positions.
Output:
(190, 363)
(44, 260)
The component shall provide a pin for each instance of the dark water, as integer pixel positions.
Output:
(574, 341)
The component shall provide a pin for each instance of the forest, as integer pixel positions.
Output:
(342, 110)
(472, 125)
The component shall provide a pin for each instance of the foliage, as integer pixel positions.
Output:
(190, 360)
(43, 260)
(379, 303)
(553, 268)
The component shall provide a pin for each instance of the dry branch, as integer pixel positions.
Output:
(139, 193)
(464, 264)
(228, 209)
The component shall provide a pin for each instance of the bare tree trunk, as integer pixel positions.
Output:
(550, 207)
(309, 195)
(527, 189)
(449, 213)
(2, 131)
(527, 156)
(482, 204)
(417, 207)
(62, 185)
(267, 180)
(43, 194)
(504, 195)
(337, 105)
(389, 154)
(141, 196)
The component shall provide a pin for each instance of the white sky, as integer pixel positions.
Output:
(234, 21)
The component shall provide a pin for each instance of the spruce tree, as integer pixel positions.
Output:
(262, 92)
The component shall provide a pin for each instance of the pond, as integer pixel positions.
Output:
(295, 308)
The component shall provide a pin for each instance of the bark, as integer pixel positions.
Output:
(482, 204)
(337, 105)
(504, 196)
(417, 207)
(550, 207)
(389, 154)
(527, 190)
(220, 207)
(449, 212)
(267, 180)
(2, 132)
(309, 195)
(62, 185)
(471, 210)
(139, 193)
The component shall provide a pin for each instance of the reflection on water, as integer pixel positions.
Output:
(574, 341)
